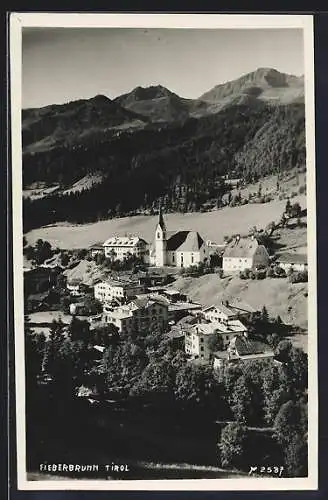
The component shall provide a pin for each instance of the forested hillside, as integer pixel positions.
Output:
(182, 160)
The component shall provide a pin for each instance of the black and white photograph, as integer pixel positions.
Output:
(163, 186)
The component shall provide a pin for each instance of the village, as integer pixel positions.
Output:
(144, 301)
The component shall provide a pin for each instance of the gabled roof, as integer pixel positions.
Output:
(124, 241)
(292, 258)
(246, 347)
(185, 241)
(243, 248)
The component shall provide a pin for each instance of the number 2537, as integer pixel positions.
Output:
(271, 470)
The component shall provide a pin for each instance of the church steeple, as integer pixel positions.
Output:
(161, 222)
(160, 241)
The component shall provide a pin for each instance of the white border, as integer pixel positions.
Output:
(203, 21)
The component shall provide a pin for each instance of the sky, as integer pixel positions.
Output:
(65, 64)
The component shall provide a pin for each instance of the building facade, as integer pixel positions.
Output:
(140, 316)
(296, 262)
(176, 248)
(107, 291)
(121, 247)
(199, 340)
(244, 253)
(228, 311)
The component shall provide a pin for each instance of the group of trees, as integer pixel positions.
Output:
(152, 369)
(38, 253)
(130, 262)
(274, 396)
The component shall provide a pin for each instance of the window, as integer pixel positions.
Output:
(158, 235)
(202, 340)
(202, 348)
(192, 259)
(173, 257)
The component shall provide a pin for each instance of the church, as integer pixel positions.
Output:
(179, 249)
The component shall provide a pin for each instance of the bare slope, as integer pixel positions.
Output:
(211, 225)
(278, 295)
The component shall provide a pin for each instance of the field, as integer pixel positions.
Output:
(212, 225)
(277, 294)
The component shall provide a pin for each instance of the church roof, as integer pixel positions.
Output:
(185, 241)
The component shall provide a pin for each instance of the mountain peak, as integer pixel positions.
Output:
(147, 93)
(261, 83)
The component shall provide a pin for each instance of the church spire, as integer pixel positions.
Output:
(161, 222)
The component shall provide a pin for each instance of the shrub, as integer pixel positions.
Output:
(298, 277)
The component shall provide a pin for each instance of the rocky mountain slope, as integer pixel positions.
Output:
(151, 144)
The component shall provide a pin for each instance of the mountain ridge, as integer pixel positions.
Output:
(173, 148)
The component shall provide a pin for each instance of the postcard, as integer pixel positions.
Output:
(164, 229)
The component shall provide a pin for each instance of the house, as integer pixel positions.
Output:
(77, 309)
(176, 248)
(200, 339)
(40, 279)
(227, 330)
(174, 295)
(297, 262)
(74, 286)
(176, 336)
(142, 315)
(244, 253)
(178, 310)
(121, 247)
(106, 291)
(241, 348)
(96, 250)
(226, 311)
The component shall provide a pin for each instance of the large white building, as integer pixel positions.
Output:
(244, 253)
(107, 291)
(177, 248)
(120, 247)
(141, 315)
(200, 339)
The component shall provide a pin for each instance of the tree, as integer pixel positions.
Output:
(291, 418)
(195, 387)
(264, 315)
(79, 330)
(56, 338)
(242, 406)
(295, 210)
(274, 391)
(157, 380)
(34, 352)
(270, 228)
(100, 258)
(232, 445)
(106, 335)
(64, 259)
(42, 251)
(296, 453)
(288, 207)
